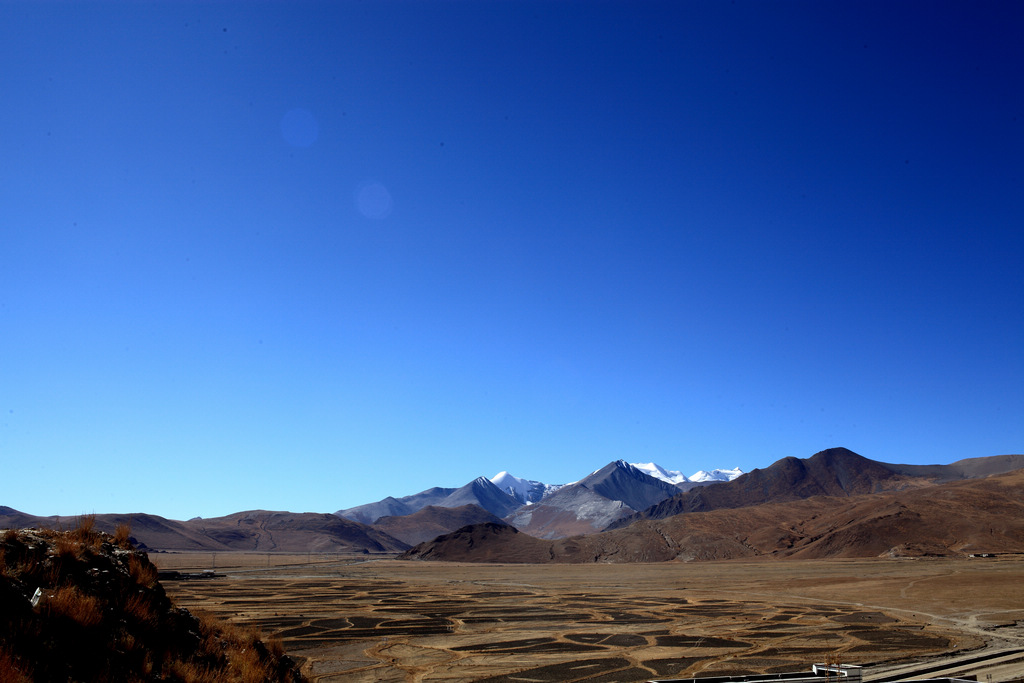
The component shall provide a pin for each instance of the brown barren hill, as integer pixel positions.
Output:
(433, 521)
(954, 519)
(831, 472)
(488, 542)
(266, 531)
(252, 531)
(148, 531)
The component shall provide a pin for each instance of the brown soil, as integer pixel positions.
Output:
(383, 620)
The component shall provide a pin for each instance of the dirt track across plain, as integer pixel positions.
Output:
(353, 619)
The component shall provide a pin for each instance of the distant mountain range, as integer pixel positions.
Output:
(870, 510)
(386, 526)
(615, 491)
(832, 472)
(681, 480)
(611, 493)
(479, 492)
(833, 503)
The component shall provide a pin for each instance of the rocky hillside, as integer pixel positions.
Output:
(86, 606)
(480, 492)
(615, 491)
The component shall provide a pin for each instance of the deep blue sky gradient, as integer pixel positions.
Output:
(304, 256)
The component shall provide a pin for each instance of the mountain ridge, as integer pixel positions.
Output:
(511, 493)
(612, 492)
(831, 472)
(249, 531)
(957, 518)
(607, 498)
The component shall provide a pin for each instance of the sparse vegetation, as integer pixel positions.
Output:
(10, 671)
(68, 602)
(122, 535)
(83, 605)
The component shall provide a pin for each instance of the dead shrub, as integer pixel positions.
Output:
(139, 607)
(211, 626)
(247, 665)
(122, 535)
(142, 571)
(246, 656)
(87, 524)
(87, 534)
(275, 646)
(68, 548)
(86, 528)
(68, 601)
(193, 672)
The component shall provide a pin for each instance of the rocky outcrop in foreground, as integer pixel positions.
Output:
(86, 606)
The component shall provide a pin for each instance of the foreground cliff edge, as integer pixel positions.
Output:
(85, 605)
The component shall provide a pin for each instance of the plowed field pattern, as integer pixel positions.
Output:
(415, 621)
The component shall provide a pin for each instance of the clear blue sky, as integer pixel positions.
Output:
(304, 256)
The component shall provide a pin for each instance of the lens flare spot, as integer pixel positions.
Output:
(373, 200)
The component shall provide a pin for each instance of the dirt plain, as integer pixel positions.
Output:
(377, 619)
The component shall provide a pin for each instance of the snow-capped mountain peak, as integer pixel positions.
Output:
(528, 491)
(525, 491)
(676, 477)
(717, 475)
(658, 472)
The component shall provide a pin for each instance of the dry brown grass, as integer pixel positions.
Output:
(74, 544)
(86, 526)
(275, 645)
(86, 534)
(10, 672)
(247, 665)
(192, 672)
(21, 563)
(240, 647)
(70, 602)
(68, 548)
(142, 572)
(122, 535)
(105, 616)
(139, 608)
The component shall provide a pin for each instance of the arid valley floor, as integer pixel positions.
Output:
(359, 619)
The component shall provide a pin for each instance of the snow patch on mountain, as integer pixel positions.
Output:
(658, 472)
(717, 475)
(526, 491)
(676, 477)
